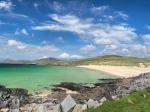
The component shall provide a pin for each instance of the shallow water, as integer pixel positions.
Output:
(40, 78)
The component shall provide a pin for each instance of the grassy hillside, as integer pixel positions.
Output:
(108, 60)
(140, 104)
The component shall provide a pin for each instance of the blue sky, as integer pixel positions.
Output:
(74, 29)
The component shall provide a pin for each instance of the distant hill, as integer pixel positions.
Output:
(43, 61)
(112, 60)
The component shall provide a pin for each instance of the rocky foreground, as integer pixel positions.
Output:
(18, 100)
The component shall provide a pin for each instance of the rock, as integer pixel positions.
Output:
(91, 103)
(102, 100)
(144, 95)
(14, 110)
(55, 108)
(67, 104)
(99, 104)
(84, 107)
(77, 108)
(114, 97)
(26, 109)
(39, 109)
(14, 104)
(130, 101)
(4, 110)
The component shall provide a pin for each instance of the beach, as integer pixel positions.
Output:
(121, 71)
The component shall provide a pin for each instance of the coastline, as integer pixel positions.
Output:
(120, 71)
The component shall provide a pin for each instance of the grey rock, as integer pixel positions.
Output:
(102, 100)
(14, 110)
(84, 107)
(14, 104)
(67, 104)
(91, 103)
(77, 108)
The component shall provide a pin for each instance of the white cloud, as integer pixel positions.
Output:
(57, 6)
(136, 50)
(59, 39)
(17, 32)
(24, 32)
(64, 56)
(148, 27)
(44, 42)
(87, 29)
(146, 38)
(13, 45)
(102, 41)
(16, 44)
(6, 5)
(66, 23)
(122, 15)
(35, 5)
(99, 10)
(87, 49)
(68, 57)
(43, 57)
(40, 49)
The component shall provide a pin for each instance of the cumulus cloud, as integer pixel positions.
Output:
(146, 38)
(87, 29)
(102, 41)
(16, 44)
(24, 32)
(87, 49)
(13, 45)
(40, 49)
(66, 56)
(6, 5)
(43, 57)
(136, 50)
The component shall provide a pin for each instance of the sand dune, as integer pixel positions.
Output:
(121, 71)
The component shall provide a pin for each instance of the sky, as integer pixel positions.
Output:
(74, 29)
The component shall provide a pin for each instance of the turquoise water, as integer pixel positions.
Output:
(39, 78)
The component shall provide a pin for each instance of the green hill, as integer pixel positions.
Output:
(113, 60)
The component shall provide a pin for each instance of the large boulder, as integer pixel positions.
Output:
(67, 104)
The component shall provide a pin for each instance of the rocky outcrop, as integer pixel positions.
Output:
(114, 87)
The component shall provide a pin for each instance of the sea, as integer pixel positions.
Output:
(36, 78)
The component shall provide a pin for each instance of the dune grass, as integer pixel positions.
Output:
(140, 104)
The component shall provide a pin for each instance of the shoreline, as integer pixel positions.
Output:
(120, 71)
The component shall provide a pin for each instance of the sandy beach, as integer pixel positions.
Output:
(121, 71)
